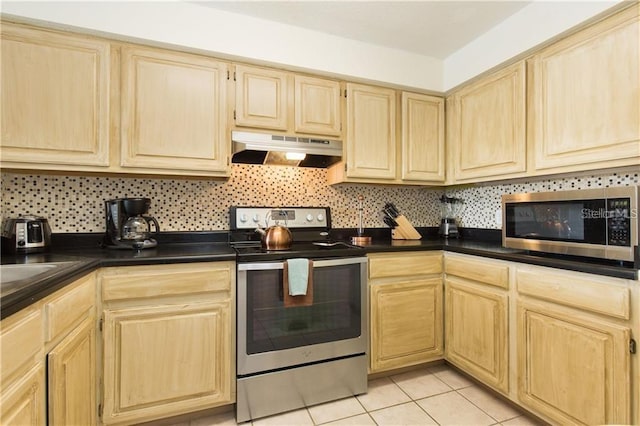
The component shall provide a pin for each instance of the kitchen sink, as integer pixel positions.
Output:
(17, 276)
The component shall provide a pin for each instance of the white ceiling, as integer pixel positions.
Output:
(434, 28)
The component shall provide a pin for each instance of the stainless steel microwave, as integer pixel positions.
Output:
(599, 222)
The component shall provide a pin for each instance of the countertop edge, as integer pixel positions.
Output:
(40, 289)
(43, 288)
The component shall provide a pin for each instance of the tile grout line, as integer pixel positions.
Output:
(415, 401)
(477, 406)
(436, 394)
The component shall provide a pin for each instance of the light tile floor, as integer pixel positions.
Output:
(436, 395)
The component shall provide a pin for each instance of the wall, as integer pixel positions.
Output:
(190, 25)
(529, 27)
(187, 24)
(76, 204)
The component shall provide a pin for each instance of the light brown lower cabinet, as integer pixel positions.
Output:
(167, 339)
(23, 403)
(405, 292)
(477, 331)
(476, 318)
(556, 342)
(70, 333)
(573, 368)
(72, 371)
(573, 345)
(48, 360)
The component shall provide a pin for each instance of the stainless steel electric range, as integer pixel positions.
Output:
(291, 356)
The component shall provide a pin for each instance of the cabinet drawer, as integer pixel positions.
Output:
(577, 290)
(65, 310)
(478, 270)
(386, 265)
(133, 282)
(20, 340)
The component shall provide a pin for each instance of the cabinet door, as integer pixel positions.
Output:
(317, 106)
(55, 100)
(406, 323)
(72, 377)
(585, 96)
(166, 360)
(476, 324)
(173, 111)
(371, 132)
(572, 367)
(422, 137)
(487, 132)
(22, 330)
(261, 98)
(23, 403)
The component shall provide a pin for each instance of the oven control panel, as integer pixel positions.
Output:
(291, 217)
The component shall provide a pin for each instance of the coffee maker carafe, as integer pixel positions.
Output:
(127, 225)
(450, 207)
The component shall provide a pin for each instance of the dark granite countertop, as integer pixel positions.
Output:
(496, 251)
(85, 252)
(488, 243)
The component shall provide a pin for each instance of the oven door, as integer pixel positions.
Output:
(272, 336)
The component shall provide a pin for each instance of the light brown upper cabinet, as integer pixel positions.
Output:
(370, 145)
(371, 132)
(317, 106)
(422, 138)
(261, 98)
(585, 98)
(487, 131)
(377, 153)
(54, 100)
(173, 116)
(277, 100)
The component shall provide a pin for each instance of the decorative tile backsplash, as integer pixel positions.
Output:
(483, 202)
(76, 203)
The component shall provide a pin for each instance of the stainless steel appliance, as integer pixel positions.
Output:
(128, 227)
(294, 356)
(450, 208)
(600, 222)
(26, 234)
(264, 148)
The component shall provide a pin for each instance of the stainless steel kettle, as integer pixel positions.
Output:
(276, 237)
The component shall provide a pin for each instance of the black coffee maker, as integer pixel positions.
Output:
(127, 225)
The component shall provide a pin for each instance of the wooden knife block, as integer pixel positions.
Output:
(404, 230)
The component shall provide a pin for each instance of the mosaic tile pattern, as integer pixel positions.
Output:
(76, 203)
(483, 202)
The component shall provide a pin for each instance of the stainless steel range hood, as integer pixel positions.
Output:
(264, 148)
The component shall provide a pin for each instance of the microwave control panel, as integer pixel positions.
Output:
(619, 222)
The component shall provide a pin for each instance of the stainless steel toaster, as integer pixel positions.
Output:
(26, 234)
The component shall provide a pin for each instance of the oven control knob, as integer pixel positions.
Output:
(256, 218)
(243, 218)
(309, 217)
(320, 217)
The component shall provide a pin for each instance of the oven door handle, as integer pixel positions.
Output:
(317, 263)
